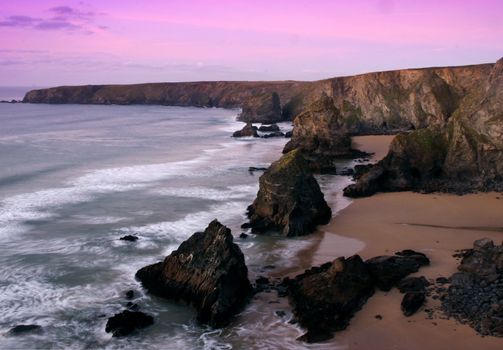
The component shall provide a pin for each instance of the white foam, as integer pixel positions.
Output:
(227, 193)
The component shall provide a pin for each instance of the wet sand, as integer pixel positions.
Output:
(435, 224)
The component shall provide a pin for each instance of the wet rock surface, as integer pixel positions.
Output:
(23, 329)
(289, 199)
(207, 271)
(268, 128)
(127, 322)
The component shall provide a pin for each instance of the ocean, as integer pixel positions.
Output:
(75, 178)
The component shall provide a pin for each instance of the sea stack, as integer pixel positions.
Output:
(289, 199)
(207, 271)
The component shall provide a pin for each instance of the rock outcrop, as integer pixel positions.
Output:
(207, 271)
(289, 199)
(475, 295)
(464, 155)
(325, 298)
(247, 131)
(320, 134)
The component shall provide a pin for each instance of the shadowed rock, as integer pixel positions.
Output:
(325, 298)
(207, 271)
(268, 128)
(261, 108)
(386, 271)
(289, 199)
(412, 302)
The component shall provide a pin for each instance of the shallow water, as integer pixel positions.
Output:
(75, 178)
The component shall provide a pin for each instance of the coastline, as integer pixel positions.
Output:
(435, 224)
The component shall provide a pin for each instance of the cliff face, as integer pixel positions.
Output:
(369, 103)
(464, 154)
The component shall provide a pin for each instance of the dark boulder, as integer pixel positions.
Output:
(289, 199)
(247, 131)
(127, 322)
(412, 302)
(288, 134)
(23, 329)
(325, 298)
(129, 238)
(207, 271)
(413, 284)
(386, 271)
(268, 128)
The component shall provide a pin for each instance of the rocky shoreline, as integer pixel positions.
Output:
(450, 129)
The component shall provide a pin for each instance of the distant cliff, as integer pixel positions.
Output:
(369, 103)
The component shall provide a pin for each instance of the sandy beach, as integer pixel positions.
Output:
(435, 224)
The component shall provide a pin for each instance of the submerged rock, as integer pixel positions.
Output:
(289, 199)
(325, 298)
(23, 329)
(127, 322)
(129, 238)
(247, 131)
(207, 271)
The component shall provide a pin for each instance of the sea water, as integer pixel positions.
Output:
(76, 178)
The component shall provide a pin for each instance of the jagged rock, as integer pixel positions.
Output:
(289, 199)
(247, 131)
(264, 108)
(325, 298)
(386, 271)
(319, 134)
(269, 128)
(127, 322)
(25, 329)
(412, 302)
(207, 271)
(273, 134)
(289, 134)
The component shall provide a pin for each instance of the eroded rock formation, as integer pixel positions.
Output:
(207, 271)
(289, 199)
(464, 155)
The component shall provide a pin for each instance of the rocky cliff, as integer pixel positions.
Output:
(380, 102)
(464, 154)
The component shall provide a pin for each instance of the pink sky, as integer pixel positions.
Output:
(45, 43)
